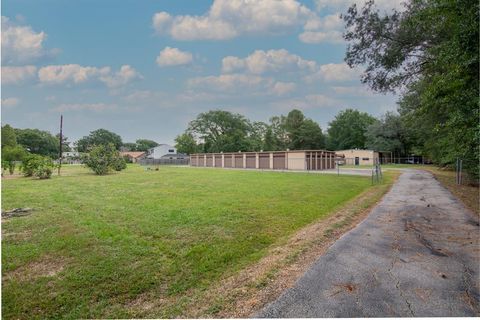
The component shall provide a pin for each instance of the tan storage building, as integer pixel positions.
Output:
(356, 157)
(273, 160)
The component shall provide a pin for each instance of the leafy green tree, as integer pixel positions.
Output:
(129, 146)
(65, 143)
(279, 136)
(310, 136)
(99, 137)
(429, 52)
(37, 165)
(10, 155)
(347, 130)
(30, 163)
(145, 144)
(221, 131)
(388, 134)
(104, 158)
(302, 133)
(38, 142)
(9, 138)
(186, 143)
(256, 136)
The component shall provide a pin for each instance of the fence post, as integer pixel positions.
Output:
(460, 171)
(456, 172)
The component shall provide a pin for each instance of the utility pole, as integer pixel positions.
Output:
(61, 143)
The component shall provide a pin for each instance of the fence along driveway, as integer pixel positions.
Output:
(416, 254)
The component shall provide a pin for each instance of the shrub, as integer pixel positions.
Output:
(10, 155)
(37, 165)
(104, 158)
(44, 168)
(119, 164)
(30, 163)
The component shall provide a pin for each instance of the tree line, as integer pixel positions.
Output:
(223, 131)
(429, 53)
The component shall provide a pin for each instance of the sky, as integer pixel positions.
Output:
(144, 69)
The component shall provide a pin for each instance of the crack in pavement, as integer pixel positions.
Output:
(418, 239)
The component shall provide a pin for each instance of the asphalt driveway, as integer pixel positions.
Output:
(416, 254)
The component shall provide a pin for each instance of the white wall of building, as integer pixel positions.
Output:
(162, 150)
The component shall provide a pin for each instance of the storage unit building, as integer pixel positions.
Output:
(358, 157)
(273, 160)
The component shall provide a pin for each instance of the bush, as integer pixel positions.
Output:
(10, 155)
(36, 165)
(119, 164)
(45, 168)
(104, 158)
(30, 164)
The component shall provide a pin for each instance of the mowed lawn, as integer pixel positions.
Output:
(94, 245)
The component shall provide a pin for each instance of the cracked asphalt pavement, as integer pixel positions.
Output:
(416, 254)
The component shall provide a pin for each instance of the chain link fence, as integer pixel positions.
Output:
(463, 172)
(164, 162)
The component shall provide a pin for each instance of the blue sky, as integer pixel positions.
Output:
(144, 69)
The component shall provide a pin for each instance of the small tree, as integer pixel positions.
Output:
(44, 168)
(104, 158)
(10, 155)
(30, 163)
(119, 163)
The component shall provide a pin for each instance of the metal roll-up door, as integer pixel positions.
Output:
(209, 161)
(279, 161)
(218, 160)
(227, 161)
(251, 161)
(239, 161)
(264, 160)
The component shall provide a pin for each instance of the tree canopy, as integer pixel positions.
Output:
(347, 130)
(9, 138)
(145, 144)
(99, 137)
(217, 131)
(38, 142)
(429, 53)
(388, 134)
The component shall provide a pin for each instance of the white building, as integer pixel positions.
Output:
(70, 154)
(164, 151)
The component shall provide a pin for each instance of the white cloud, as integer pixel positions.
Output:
(227, 19)
(323, 29)
(261, 61)
(10, 102)
(17, 75)
(57, 74)
(320, 36)
(335, 72)
(229, 82)
(173, 57)
(327, 27)
(237, 83)
(121, 77)
(96, 107)
(74, 73)
(282, 88)
(161, 21)
(21, 44)
(138, 95)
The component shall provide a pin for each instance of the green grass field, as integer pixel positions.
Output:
(95, 244)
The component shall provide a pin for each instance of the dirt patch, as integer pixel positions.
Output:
(45, 267)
